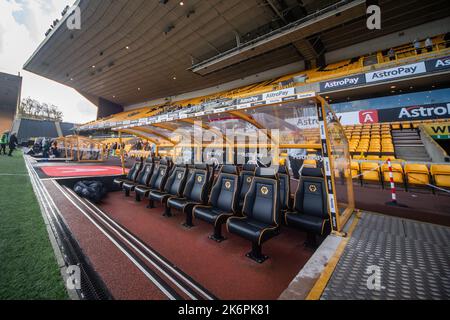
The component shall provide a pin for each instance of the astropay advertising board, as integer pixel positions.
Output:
(397, 72)
(410, 113)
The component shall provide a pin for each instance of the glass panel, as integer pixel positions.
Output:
(293, 122)
(341, 166)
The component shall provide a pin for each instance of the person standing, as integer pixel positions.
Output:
(4, 142)
(391, 54)
(46, 148)
(12, 144)
(429, 44)
(416, 45)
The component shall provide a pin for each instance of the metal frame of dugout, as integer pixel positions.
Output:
(81, 149)
(267, 127)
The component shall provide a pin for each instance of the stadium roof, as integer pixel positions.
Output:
(132, 51)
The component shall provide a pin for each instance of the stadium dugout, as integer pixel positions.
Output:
(228, 97)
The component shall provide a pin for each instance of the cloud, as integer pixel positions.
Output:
(85, 108)
(22, 27)
(1, 38)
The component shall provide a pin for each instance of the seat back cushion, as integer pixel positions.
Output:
(159, 177)
(245, 181)
(311, 197)
(133, 170)
(175, 183)
(262, 201)
(224, 192)
(146, 173)
(135, 174)
(195, 189)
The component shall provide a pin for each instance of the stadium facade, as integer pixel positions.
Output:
(10, 92)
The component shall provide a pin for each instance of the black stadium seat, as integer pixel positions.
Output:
(156, 182)
(143, 178)
(195, 193)
(222, 201)
(132, 175)
(310, 205)
(174, 186)
(261, 213)
(285, 188)
(245, 180)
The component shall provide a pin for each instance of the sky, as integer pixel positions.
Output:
(23, 24)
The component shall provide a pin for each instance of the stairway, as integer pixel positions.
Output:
(409, 146)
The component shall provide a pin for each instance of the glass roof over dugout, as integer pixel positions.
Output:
(287, 125)
(246, 132)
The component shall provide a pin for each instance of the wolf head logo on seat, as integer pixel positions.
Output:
(265, 191)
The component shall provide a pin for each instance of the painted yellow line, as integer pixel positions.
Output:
(321, 283)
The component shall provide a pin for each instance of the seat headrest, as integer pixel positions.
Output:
(283, 170)
(249, 167)
(312, 172)
(181, 166)
(266, 173)
(201, 166)
(163, 162)
(229, 169)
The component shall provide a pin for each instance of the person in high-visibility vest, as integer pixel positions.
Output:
(3, 143)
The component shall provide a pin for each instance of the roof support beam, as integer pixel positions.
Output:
(208, 128)
(245, 117)
(161, 136)
(137, 134)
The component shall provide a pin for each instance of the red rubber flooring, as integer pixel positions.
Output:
(81, 171)
(123, 279)
(221, 268)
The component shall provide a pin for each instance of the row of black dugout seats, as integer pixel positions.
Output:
(252, 202)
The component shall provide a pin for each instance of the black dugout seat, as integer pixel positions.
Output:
(173, 188)
(132, 175)
(261, 213)
(143, 178)
(222, 201)
(285, 188)
(245, 180)
(310, 205)
(156, 182)
(195, 193)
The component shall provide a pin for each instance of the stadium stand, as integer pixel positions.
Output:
(406, 53)
(28, 129)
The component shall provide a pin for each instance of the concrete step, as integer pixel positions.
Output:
(409, 142)
(410, 159)
(406, 136)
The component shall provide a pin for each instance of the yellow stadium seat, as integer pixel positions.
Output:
(417, 174)
(354, 170)
(310, 163)
(373, 158)
(406, 125)
(397, 172)
(396, 126)
(370, 172)
(441, 175)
